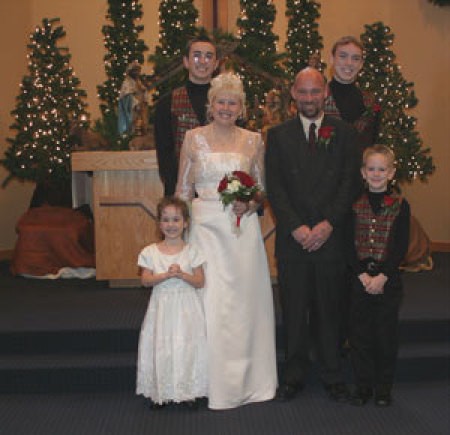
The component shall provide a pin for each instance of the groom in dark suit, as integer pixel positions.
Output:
(312, 173)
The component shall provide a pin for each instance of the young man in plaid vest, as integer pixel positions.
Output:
(380, 235)
(184, 108)
(344, 99)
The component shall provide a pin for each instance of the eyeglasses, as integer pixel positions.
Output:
(207, 57)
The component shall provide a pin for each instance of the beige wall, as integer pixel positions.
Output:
(422, 38)
(15, 25)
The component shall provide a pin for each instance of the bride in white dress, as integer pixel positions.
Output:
(238, 298)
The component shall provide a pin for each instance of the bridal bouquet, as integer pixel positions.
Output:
(238, 186)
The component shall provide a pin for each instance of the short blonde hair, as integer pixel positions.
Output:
(229, 83)
(379, 149)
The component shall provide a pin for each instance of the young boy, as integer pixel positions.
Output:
(380, 234)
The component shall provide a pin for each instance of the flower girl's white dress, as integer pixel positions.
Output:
(172, 355)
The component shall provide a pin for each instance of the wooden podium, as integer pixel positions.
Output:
(122, 188)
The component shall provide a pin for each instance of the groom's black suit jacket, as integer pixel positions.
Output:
(305, 188)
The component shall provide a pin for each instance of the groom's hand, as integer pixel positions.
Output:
(301, 234)
(318, 236)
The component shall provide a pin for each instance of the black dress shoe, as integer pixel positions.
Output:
(156, 406)
(288, 391)
(338, 392)
(192, 405)
(383, 395)
(361, 395)
(383, 400)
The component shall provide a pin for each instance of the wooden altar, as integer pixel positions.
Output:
(122, 188)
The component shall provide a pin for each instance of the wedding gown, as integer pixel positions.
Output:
(238, 299)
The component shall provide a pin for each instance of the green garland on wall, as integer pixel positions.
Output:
(440, 2)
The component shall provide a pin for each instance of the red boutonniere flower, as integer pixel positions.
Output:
(325, 135)
(372, 110)
(390, 204)
(238, 186)
(388, 201)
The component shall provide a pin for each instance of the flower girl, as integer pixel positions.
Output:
(172, 364)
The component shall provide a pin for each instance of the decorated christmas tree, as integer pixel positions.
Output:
(177, 20)
(258, 48)
(49, 100)
(303, 43)
(123, 46)
(121, 39)
(382, 76)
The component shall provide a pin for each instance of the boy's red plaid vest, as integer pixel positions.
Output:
(183, 116)
(372, 230)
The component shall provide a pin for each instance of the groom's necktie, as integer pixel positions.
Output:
(312, 137)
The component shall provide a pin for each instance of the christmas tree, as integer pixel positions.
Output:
(123, 45)
(258, 48)
(177, 20)
(382, 76)
(50, 98)
(303, 43)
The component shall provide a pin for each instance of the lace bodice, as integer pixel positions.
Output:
(203, 163)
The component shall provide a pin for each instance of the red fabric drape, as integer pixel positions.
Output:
(50, 238)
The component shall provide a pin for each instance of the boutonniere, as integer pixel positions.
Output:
(390, 204)
(372, 110)
(325, 135)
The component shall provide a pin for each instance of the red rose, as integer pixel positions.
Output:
(223, 184)
(326, 132)
(244, 178)
(388, 201)
(376, 108)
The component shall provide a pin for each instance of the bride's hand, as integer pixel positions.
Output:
(240, 207)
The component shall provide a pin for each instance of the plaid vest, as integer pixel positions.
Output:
(363, 121)
(183, 116)
(372, 230)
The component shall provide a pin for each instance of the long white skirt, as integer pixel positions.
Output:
(239, 308)
(172, 357)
